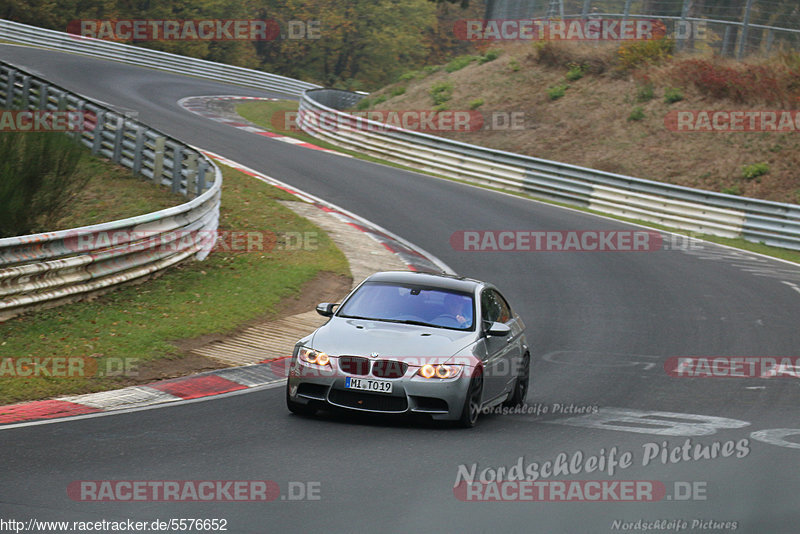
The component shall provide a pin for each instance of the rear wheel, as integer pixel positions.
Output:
(472, 404)
(297, 408)
(522, 383)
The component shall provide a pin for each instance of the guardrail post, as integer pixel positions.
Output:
(158, 159)
(26, 92)
(137, 151)
(119, 135)
(97, 133)
(177, 167)
(10, 88)
(770, 39)
(201, 176)
(43, 96)
(192, 189)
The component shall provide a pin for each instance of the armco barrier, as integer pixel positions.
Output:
(154, 59)
(701, 211)
(47, 269)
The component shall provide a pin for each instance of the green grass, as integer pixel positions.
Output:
(637, 114)
(754, 171)
(112, 192)
(259, 113)
(557, 91)
(459, 63)
(192, 299)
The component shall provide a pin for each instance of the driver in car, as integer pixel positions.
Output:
(455, 308)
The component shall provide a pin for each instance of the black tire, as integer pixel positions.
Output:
(522, 384)
(297, 408)
(472, 404)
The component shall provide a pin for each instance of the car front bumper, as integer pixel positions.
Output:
(441, 399)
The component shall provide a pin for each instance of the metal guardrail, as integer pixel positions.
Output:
(154, 59)
(707, 212)
(48, 269)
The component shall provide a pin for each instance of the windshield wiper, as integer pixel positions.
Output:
(411, 321)
(358, 317)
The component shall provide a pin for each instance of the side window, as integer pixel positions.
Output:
(490, 309)
(504, 308)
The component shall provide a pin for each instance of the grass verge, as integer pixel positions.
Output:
(142, 321)
(113, 192)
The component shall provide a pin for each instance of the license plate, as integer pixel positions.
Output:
(367, 384)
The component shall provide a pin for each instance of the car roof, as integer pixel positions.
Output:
(444, 281)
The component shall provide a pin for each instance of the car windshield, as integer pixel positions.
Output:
(426, 306)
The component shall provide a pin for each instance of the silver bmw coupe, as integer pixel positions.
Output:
(413, 343)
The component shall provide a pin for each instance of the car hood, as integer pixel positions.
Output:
(359, 337)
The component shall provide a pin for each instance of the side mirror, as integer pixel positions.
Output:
(326, 308)
(499, 329)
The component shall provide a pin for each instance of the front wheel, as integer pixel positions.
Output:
(472, 404)
(297, 408)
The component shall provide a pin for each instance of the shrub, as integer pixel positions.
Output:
(741, 83)
(459, 63)
(441, 92)
(379, 100)
(364, 103)
(490, 55)
(475, 104)
(575, 72)
(637, 114)
(637, 53)
(559, 54)
(672, 95)
(557, 91)
(38, 180)
(514, 65)
(440, 107)
(430, 69)
(408, 76)
(644, 93)
(754, 171)
(397, 91)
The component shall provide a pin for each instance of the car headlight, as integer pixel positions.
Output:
(312, 356)
(439, 371)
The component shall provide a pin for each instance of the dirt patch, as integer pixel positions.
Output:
(324, 287)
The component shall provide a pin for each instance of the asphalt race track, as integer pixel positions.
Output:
(601, 324)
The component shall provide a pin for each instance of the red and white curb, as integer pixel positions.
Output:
(415, 257)
(167, 391)
(199, 106)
